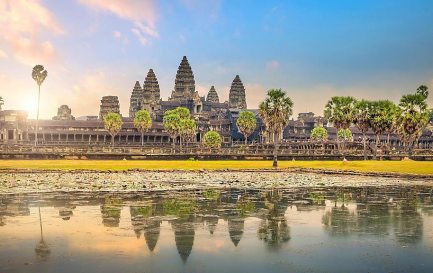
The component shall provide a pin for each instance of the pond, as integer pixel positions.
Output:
(367, 229)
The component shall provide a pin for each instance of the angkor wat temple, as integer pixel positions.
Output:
(208, 111)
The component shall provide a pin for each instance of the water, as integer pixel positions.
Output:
(296, 230)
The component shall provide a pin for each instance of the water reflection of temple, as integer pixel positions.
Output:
(343, 213)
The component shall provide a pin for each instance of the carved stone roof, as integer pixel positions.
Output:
(184, 85)
(151, 89)
(237, 97)
(212, 96)
(136, 98)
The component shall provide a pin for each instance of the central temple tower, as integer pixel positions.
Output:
(184, 85)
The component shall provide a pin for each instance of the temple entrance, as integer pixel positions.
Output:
(198, 137)
(10, 134)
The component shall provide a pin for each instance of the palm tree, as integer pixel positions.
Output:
(246, 124)
(38, 74)
(382, 115)
(1, 103)
(275, 111)
(113, 124)
(362, 121)
(340, 111)
(142, 121)
(412, 117)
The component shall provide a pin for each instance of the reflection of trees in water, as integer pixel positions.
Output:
(42, 250)
(110, 211)
(373, 218)
(378, 217)
(339, 221)
(407, 221)
(273, 229)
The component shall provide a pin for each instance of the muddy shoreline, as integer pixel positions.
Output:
(137, 180)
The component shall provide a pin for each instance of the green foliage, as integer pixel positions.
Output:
(142, 120)
(188, 128)
(212, 194)
(178, 122)
(212, 139)
(113, 123)
(319, 134)
(245, 207)
(179, 207)
(144, 211)
(412, 115)
(39, 74)
(344, 135)
(340, 111)
(362, 115)
(382, 116)
(431, 116)
(246, 123)
(276, 110)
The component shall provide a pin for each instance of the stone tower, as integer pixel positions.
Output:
(151, 93)
(151, 90)
(64, 113)
(109, 104)
(237, 97)
(212, 96)
(136, 99)
(184, 86)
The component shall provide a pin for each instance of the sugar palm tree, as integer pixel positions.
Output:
(382, 117)
(340, 111)
(275, 111)
(38, 74)
(362, 121)
(412, 117)
(142, 121)
(113, 124)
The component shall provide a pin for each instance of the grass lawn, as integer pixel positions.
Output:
(412, 167)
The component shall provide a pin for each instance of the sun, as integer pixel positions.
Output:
(30, 105)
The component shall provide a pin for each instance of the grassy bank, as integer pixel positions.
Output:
(402, 167)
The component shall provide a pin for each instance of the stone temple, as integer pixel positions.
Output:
(208, 111)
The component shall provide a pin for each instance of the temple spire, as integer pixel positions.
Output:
(212, 96)
(237, 97)
(184, 85)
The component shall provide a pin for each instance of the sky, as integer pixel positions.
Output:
(312, 49)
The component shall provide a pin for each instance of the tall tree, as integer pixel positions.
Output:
(142, 121)
(275, 111)
(1, 103)
(38, 74)
(178, 123)
(362, 121)
(188, 129)
(412, 117)
(382, 118)
(246, 124)
(113, 124)
(340, 111)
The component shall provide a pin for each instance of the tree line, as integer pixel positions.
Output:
(407, 119)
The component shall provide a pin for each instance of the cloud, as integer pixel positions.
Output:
(22, 22)
(272, 65)
(141, 13)
(3, 54)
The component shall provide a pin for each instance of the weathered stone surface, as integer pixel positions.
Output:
(64, 113)
(237, 97)
(212, 96)
(136, 99)
(152, 94)
(184, 86)
(109, 104)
